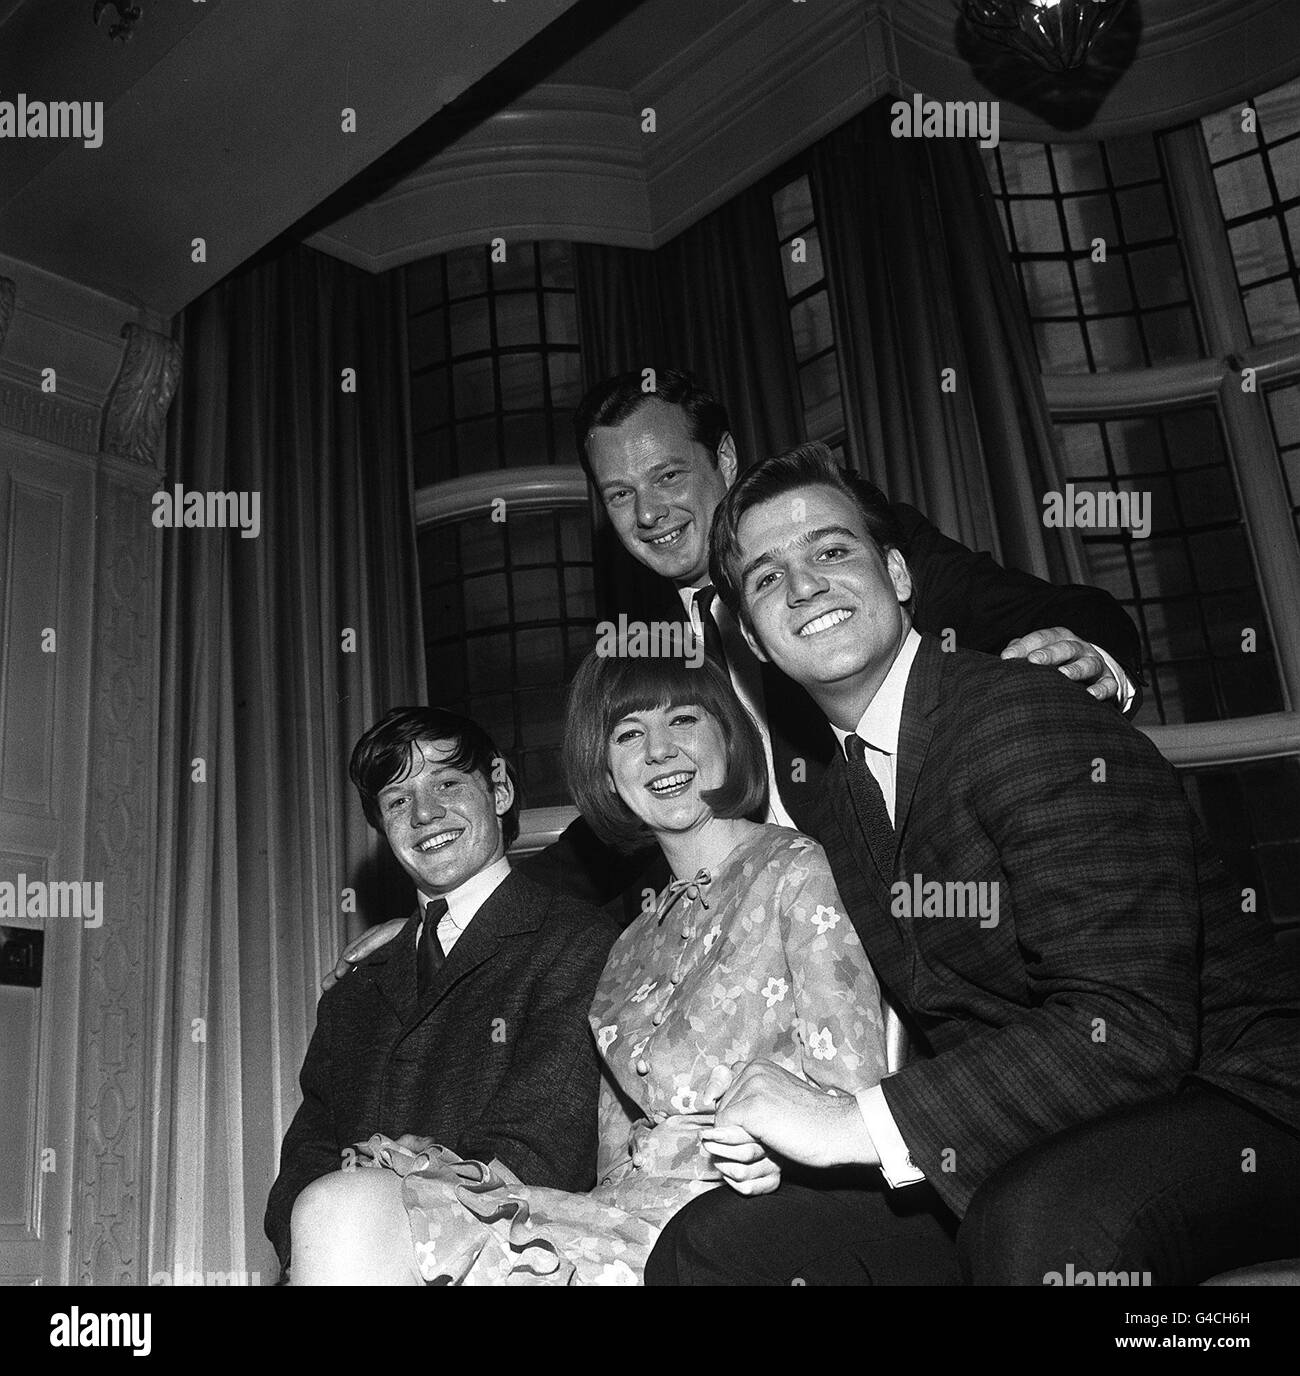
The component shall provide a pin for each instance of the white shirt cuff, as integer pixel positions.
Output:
(1126, 689)
(896, 1163)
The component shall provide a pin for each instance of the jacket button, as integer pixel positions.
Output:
(642, 1067)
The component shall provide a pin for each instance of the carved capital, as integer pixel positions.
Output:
(137, 405)
(8, 290)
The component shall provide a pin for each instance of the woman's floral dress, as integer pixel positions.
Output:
(756, 961)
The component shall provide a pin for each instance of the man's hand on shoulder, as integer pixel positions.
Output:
(1075, 658)
(359, 949)
(795, 1119)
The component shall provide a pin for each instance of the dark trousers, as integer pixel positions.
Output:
(809, 1236)
(1182, 1188)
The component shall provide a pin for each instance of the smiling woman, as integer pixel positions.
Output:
(637, 722)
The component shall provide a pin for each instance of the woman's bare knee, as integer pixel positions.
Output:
(350, 1228)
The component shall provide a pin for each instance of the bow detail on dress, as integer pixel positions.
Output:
(692, 888)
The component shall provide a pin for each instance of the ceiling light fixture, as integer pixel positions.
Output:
(1056, 34)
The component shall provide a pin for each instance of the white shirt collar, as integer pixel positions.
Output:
(687, 598)
(878, 726)
(464, 901)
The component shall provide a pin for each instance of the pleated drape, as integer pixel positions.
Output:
(278, 651)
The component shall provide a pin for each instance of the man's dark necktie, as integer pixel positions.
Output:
(713, 646)
(869, 804)
(429, 958)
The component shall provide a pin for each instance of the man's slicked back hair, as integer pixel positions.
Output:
(806, 465)
(617, 399)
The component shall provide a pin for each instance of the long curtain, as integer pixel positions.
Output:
(920, 283)
(278, 651)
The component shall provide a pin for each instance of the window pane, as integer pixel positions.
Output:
(526, 439)
(1132, 307)
(1243, 186)
(466, 271)
(1190, 583)
(497, 342)
(1257, 250)
(532, 538)
(1271, 310)
(470, 326)
(1144, 213)
(475, 395)
(566, 380)
(561, 318)
(1036, 227)
(486, 601)
(1116, 343)
(1279, 112)
(808, 271)
(537, 595)
(540, 657)
(810, 321)
(819, 382)
(1158, 276)
(482, 545)
(476, 447)
(1024, 168)
(1088, 218)
(793, 207)
(1078, 166)
(521, 383)
(517, 319)
(519, 269)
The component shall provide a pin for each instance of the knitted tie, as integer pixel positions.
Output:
(429, 958)
(869, 804)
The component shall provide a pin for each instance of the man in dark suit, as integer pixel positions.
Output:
(471, 1026)
(1113, 1088)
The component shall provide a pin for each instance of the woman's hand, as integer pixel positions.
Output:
(742, 1160)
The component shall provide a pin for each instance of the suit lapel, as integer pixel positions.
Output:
(506, 912)
(392, 968)
(915, 729)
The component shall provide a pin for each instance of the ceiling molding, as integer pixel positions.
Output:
(569, 160)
